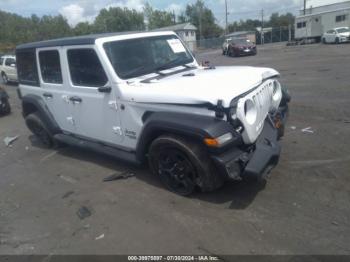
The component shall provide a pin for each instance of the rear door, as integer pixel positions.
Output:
(10, 68)
(95, 113)
(54, 86)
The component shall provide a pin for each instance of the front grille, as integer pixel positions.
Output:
(262, 98)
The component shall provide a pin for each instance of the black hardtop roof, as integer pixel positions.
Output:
(76, 40)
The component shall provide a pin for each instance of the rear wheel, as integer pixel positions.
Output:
(4, 77)
(5, 107)
(182, 165)
(38, 128)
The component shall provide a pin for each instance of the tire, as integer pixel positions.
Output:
(6, 107)
(182, 165)
(38, 128)
(5, 79)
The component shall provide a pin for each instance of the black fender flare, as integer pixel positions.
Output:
(33, 101)
(193, 126)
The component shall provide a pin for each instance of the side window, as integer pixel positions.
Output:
(10, 61)
(85, 68)
(26, 68)
(50, 66)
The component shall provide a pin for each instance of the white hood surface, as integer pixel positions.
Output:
(205, 86)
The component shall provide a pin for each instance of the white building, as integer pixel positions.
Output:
(186, 31)
(320, 19)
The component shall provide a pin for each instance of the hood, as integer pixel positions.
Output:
(202, 87)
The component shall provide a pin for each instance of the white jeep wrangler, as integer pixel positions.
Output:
(139, 96)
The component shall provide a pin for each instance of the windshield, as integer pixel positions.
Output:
(343, 30)
(241, 41)
(135, 57)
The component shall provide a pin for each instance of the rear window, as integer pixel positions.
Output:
(26, 68)
(10, 61)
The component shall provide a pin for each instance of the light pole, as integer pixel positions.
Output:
(226, 17)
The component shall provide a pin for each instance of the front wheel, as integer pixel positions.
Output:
(182, 165)
(39, 129)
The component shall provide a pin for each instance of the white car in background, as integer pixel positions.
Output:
(8, 69)
(336, 35)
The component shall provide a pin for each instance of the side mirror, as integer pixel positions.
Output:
(105, 89)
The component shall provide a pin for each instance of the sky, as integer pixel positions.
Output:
(77, 11)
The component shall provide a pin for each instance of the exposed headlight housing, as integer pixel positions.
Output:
(276, 91)
(250, 111)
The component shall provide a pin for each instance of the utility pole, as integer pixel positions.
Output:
(200, 22)
(226, 14)
(262, 27)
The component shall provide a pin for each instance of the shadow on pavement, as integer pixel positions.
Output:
(240, 194)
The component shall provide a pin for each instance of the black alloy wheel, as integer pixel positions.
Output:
(176, 171)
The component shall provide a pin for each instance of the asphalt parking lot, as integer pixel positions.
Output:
(304, 208)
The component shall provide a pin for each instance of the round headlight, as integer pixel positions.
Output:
(250, 111)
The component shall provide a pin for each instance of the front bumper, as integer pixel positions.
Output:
(254, 161)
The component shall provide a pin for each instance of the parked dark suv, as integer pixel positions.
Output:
(240, 47)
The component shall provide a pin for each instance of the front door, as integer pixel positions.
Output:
(54, 86)
(92, 99)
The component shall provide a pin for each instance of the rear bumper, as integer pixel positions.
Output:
(255, 161)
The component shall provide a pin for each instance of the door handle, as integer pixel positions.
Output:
(48, 95)
(76, 99)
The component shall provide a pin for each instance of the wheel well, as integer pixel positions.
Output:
(155, 135)
(29, 108)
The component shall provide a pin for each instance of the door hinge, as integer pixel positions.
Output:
(113, 105)
(70, 120)
(117, 130)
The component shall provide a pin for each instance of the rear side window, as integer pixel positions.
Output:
(10, 61)
(26, 68)
(50, 66)
(85, 68)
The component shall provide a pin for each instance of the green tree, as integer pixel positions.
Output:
(157, 18)
(83, 28)
(203, 18)
(116, 19)
(277, 20)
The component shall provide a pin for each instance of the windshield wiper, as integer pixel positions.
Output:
(135, 72)
(169, 64)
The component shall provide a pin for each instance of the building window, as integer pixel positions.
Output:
(50, 66)
(301, 24)
(85, 68)
(340, 18)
